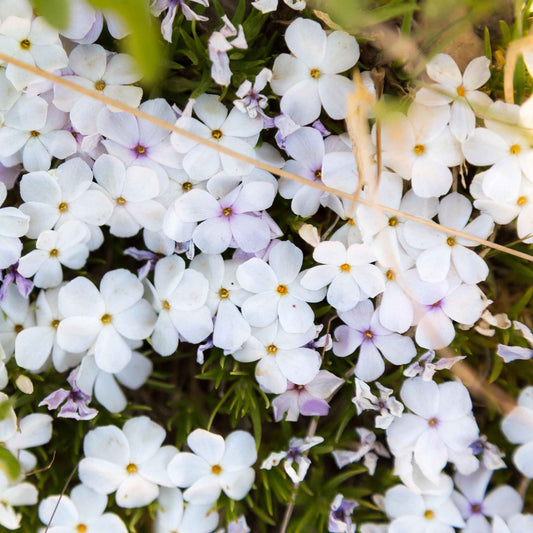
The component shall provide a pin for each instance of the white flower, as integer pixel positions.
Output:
(267, 6)
(387, 405)
(282, 357)
(13, 224)
(250, 100)
(475, 506)
(309, 78)
(173, 515)
(364, 331)
(440, 428)
(502, 146)
(231, 330)
(179, 296)
(130, 461)
(104, 319)
(518, 428)
(348, 272)
(35, 345)
(94, 68)
(133, 191)
(440, 250)
(65, 193)
(230, 221)
(423, 513)
(294, 454)
(421, 148)
(158, 6)
(234, 130)
(277, 291)
(83, 510)
(216, 465)
(16, 493)
(424, 366)
(15, 315)
(458, 89)
(67, 246)
(34, 42)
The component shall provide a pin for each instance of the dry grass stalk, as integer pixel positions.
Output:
(259, 164)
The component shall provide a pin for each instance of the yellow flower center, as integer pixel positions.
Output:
(216, 134)
(390, 275)
(282, 289)
(368, 334)
(106, 319)
(100, 85)
(315, 73)
(451, 241)
(351, 221)
(140, 149)
(429, 515)
(393, 221)
(54, 324)
(81, 528)
(54, 252)
(165, 305)
(521, 201)
(432, 422)
(515, 149)
(120, 200)
(318, 174)
(227, 211)
(131, 468)
(186, 187)
(62, 207)
(419, 149)
(345, 267)
(18, 328)
(460, 91)
(272, 348)
(25, 44)
(216, 469)
(34, 133)
(223, 293)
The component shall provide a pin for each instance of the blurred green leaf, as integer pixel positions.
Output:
(54, 11)
(8, 464)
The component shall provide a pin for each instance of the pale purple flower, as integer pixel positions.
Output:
(172, 6)
(75, 402)
(250, 100)
(340, 515)
(512, 353)
(143, 255)
(426, 368)
(491, 455)
(12, 275)
(387, 405)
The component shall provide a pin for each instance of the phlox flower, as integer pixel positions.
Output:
(309, 79)
(458, 89)
(11, 276)
(33, 41)
(388, 406)
(172, 6)
(421, 148)
(15, 316)
(83, 510)
(66, 193)
(294, 456)
(229, 221)
(216, 465)
(104, 319)
(491, 455)
(424, 513)
(218, 47)
(92, 67)
(282, 357)
(37, 344)
(237, 526)
(309, 400)
(364, 331)
(348, 272)
(502, 146)
(267, 6)
(235, 130)
(339, 520)
(130, 462)
(14, 494)
(250, 100)
(475, 506)
(179, 296)
(173, 515)
(277, 291)
(13, 225)
(106, 386)
(369, 449)
(425, 367)
(74, 403)
(517, 426)
(225, 294)
(439, 428)
(132, 192)
(65, 247)
(439, 251)
(515, 524)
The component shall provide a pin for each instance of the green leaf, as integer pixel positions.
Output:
(54, 11)
(143, 41)
(486, 44)
(8, 464)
